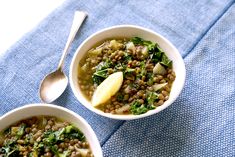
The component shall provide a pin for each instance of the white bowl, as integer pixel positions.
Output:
(30, 110)
(129, 31)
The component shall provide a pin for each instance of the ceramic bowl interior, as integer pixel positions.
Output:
(128, 31)
(31, 110)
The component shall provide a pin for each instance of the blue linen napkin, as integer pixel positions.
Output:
(200, 122)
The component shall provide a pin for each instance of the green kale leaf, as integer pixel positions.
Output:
(97, 79)
(162, 58)
(101, 72)
(104, 65)
(127, 57)
(10, 149)
(72, 132)
(156, 56)
(52, 137)
(166, 61)
(137, 108)
(143, 71)
(120, 97)
(21, 130)
(139, 41)
(129, 70)
(150, 79)
(151, 98)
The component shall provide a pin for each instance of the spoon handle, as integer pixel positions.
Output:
(79, 17)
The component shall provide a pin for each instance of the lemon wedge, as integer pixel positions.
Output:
(107, 88)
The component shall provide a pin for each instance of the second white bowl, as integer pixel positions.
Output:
(31, 110)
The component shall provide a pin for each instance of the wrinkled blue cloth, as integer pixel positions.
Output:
(200, 122)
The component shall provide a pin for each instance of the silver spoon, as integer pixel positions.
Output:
(54, 84)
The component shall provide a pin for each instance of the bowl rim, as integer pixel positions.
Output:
(126, 117)
(62, 109)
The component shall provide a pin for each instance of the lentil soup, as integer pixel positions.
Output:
(43, 136)
(147, 74)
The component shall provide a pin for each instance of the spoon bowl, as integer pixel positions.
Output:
(53, 86)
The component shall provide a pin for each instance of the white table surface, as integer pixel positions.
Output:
(20, 16)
